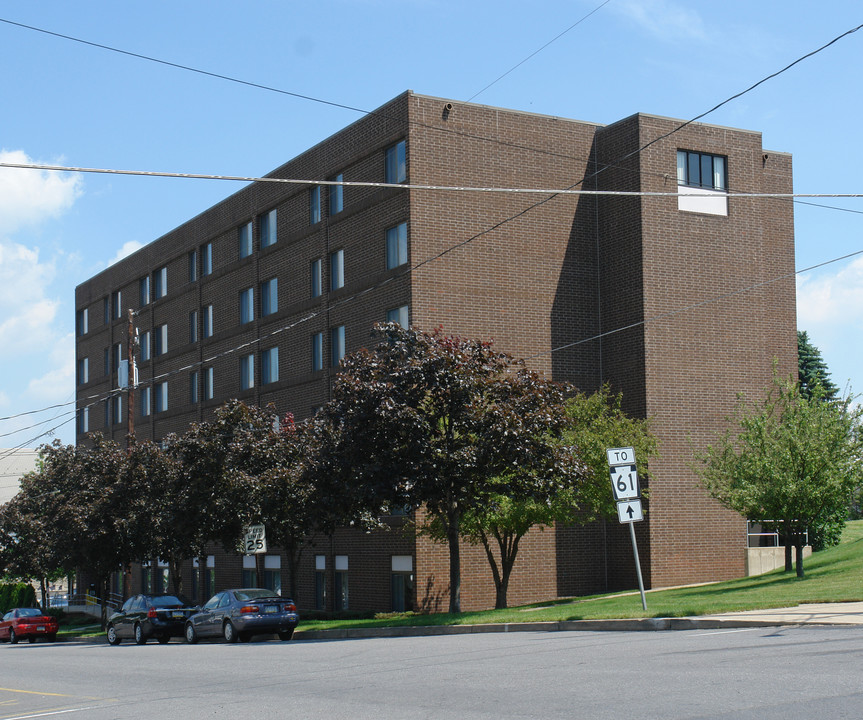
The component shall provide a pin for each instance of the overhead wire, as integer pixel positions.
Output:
(480, 234)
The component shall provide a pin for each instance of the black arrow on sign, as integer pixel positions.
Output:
(630, 511)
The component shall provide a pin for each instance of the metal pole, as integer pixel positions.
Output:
(637, 565)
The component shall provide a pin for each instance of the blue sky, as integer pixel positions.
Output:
(77, 105)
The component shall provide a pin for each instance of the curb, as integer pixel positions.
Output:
(622, 625)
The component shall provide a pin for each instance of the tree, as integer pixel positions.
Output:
(812, 370)
(427, 419)
(792, 458)
(595, 422)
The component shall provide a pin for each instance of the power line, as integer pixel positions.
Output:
(536, 52)
(480, 234)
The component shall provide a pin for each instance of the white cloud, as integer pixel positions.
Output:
(58, 383)
(28, 197)
(26, 314)
(665, 19)
(129, 247)
(831, 299)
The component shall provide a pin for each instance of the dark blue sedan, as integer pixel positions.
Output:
(240, 614)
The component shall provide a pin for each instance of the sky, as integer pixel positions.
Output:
(77, 105)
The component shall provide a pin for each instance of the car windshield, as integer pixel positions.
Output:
(163, 601)
(29, 612)
(254, 594)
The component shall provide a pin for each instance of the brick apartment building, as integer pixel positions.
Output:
(680, 302)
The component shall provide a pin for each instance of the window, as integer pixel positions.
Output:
(267, 228)
(397, 246)
(106, 408)
(316, 278)
(207, 259)
(250, 571)
(247, 372)
(83, 371)
(193, 266)
(106, 361)
(193, 326)
(395, 163)
(337, 269)
(106, 310)
(269, 297)
(209, 383)
(203, 579)
(160, 340)
(160, 397)
(402, 583)
(244, 238)
(118, 354)
(702, 170)
(117, 409)
(84, 420)
(247, 305)
(144, 399)
(160, 283)
(270, 366)
(144, 290)
(314, 205)
(273, 573)
(82, 322)
(208, 321)
(337, 195)
(318, 351)
(146, 577)
(399, 315)
(144, 341)
(320, 582)
(193, 387)
(117, 304)
(337, 344)
(162, 577)
(341, 599)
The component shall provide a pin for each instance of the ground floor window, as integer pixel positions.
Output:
(250, 572)
(320, 582)
(402, 583)
(273, 573)
(205, 577)
(341, 599)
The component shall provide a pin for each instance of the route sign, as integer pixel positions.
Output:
(629, 511)
(255, 540)
(620, 456)
(624, 482)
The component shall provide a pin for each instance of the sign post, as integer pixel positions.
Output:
(627, 493)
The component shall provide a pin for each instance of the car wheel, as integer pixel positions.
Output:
(163, 639)
(13, 638)
(286, 635)
(230, 632)
(113, 638)
(190, 634)
(140, 638)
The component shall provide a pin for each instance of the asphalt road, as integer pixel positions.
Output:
(764, 673)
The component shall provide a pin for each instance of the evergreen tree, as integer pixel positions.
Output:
(813, 370)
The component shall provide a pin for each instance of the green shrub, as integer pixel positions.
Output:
(13, 595)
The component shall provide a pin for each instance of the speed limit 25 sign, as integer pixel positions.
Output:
(255, 540)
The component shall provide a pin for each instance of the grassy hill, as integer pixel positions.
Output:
(833, 575)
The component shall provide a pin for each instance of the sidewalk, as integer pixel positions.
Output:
(814, 614)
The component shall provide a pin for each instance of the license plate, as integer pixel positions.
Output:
(271, 608)
(40, 628)
(178, 615)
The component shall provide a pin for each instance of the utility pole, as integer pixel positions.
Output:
(130, 403)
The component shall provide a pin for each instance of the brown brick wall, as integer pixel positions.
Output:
(535, 273)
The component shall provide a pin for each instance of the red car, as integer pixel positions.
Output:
(27, 623)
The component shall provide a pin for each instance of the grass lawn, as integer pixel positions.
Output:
(833, 575)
